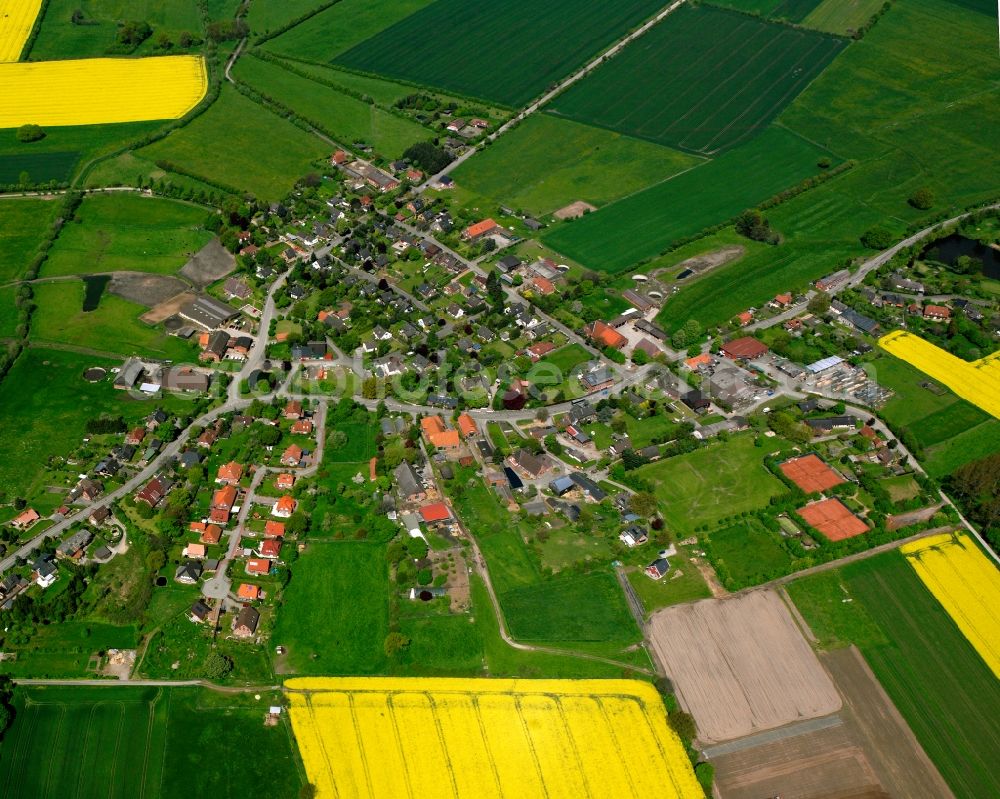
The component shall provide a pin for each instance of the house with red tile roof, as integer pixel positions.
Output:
(285, 481)
(258, 566)
(249, 592)
(435, 512)
(229, 473)
(284, 507)
(25, 519)
(224, 498)
(466, 425)
(602, 334)
(292, 456)
(302, 427)
(479, 229)
(270, 548)
(273, 529)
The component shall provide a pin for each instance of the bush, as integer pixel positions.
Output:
(425, 577)
(28, 133)
(922, 199)
(877, 238)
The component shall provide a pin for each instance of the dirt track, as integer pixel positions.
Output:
(740, 665)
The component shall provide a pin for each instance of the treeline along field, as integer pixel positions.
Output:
(703, 80)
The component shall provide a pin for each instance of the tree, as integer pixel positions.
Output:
(163, 42)
(29, 133)
(134, 33)
(217, 666)
(643, 503)
(819, 304)
(427, 156)
(395, 643)
(683, 724)
(755, 227)
(185, 40)
(877, 238)
(307, 791)
(922, 198)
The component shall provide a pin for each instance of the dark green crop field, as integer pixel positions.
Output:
(933, 675)
(703, 80)
(646, 223)
(506, 51)
(39, 167)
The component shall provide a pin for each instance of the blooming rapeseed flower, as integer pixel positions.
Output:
(17, 17)
(478, 738)
(966, 584)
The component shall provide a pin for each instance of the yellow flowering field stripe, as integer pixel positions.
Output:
(100, 90)
(17, 17)
(391, 738)
(976, 381)
(966, 584)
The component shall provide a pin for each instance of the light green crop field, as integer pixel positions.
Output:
(644, 224)
(24, 223)
(232, 143)
(113, 327)
(128, 232)
(340, 27)
(60, 38)
(560, 161)
(933, 675)
(841, 16)
(348, 118)
(140, 743)
(713, 482)
(268, 16)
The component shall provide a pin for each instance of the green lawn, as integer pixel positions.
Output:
(675, 85)
(565, 359)
(560, 161)
(335, 613)
(232, 143)
(63, 650)
(113, 327)
(152, 743)
(746, 554)
(128, 232)
(644, 224)
(933, 675)
(23, 225)
(360, 446)
(841, 16)
(344, 116)
(520, 46)
(339, 28)
(264, 17)
(60, 38)
(683, 583)
(702, 487)
(8, 312)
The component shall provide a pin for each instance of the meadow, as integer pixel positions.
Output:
(560, 161)
(746, 554)
(338, 28)
(129, 233)
(841, 16)
(494, 738)
(934, 676)
(700, 488)
(111, 328)
(8, 311)
(123, 742)
(674, 86)
(335, 611)
(520, 47)
(344, 116)
(644, 224)
(24, 223)
(241, 155)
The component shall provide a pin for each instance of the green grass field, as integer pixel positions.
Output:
(841, 16)
(8, 312)
(348, 118)
(713, 482)
(264, 17)
(128, 232)
(939, 683)
(339, 28)
(60, 38)
(140, 743)
(335, 613)
(24, 223)
(646, 223)
(560, 161)
(684, 583)
(520, 47)
(232, 143)
(589, 608)
(675, 86)
(113, 327)
(748, 554)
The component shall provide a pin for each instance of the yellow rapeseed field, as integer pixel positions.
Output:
(978, 381)
(100, 90)
(967, 584)
(390, 738)
(16, 20)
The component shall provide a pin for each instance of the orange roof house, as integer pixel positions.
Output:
(543, 285)
(26, 518)
(293, 410)
(432, 424)
(212, 534)
(783, 299)
(479, 229)
(273, 529)
(285, 481)
(224, 498)
(230, 473)
(436, 512)
(604, 335)
(745, 318)
(466, 425)
(248, 591)
(284, 507)
(270, 548)
(339, 157)
(292, 455)
(698, 360)
(542, 348)
(937, 312)
(219, 516)
(446, 439)
(302, 427)
(258, 566)
(194, 551)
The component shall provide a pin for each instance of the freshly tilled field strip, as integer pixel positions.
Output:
(741, 666)
(388, 737)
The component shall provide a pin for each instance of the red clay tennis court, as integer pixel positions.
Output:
(832, 518)
(810, 474)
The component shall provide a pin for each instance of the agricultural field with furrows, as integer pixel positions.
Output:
(139, 743)
(521, 47)
(346, 117)
(934, 676)
(670, 88)
(240, 156)
(494, 738)
(644, 224)
(561, 161)
(128, 232)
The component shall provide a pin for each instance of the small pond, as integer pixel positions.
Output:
(94, 288)
(950, 249)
